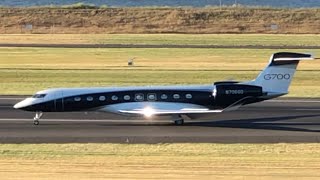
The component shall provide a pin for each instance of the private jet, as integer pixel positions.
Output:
(175, 102)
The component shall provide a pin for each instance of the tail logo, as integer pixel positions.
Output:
(277, 77)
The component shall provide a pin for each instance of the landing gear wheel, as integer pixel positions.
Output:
(37, 118)
(36, 122)
(179, 122)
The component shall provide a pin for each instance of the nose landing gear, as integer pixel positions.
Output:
(37, 118)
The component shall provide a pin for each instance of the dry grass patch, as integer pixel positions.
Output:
(160, 161)
(159, 20)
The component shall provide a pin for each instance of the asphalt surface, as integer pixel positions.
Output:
(155, 46)
(277, 121)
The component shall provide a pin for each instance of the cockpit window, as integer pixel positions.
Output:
(39, 96)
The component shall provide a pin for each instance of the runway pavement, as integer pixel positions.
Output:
(276, 121)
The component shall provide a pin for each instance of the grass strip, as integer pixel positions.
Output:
(160, 161)
(167, 39)
(27, 70)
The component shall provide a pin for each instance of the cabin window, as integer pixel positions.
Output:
(164, 96)
(189, 96)
(102, 98)
(152, 97)
(89, 98)
(39, 96)
(114, 98)
(176, 96)
(77, 99)
(126, 97)
(139, 97)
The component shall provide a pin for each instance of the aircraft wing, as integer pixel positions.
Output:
(156, 111)
(161, 112)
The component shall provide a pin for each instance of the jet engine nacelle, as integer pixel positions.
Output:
(228, 94)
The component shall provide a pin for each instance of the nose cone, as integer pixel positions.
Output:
(17, 106)
(23, 104)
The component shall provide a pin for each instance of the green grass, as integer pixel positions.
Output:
(30, 81)
(212, 39)
(160, 161)
(27, 70)
(146, 58)
(181, 39)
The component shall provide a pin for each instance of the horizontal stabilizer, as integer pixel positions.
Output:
(293, 59)
(285, 58)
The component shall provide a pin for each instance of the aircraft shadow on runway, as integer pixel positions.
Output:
(281, 123)
(269, 123)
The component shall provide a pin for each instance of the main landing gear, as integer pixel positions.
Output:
(37, 118)
(179, 121)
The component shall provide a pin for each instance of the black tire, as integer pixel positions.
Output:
(179, 122)
(36, 123)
